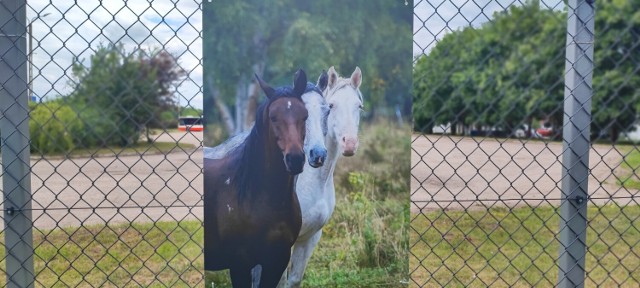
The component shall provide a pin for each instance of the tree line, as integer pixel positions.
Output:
(510, 71)
(116, 99)
(274, 38)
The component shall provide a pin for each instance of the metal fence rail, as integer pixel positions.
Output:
(497, 199)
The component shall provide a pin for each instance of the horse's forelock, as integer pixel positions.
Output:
(342, 83)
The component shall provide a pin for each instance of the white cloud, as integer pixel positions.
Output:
(77, 29)
(433, 19)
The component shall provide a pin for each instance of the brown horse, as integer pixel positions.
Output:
(253, 215)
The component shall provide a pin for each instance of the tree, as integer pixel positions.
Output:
(511, 70)
(616, 77)
(273, 39)
(130, 89)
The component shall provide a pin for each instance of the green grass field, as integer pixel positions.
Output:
(517, 247)
(631, 165)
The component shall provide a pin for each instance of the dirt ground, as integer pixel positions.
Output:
(462, 172)
(92, 187)
(448, 172)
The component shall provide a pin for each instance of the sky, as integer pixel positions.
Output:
(435, 18)
(76, 29)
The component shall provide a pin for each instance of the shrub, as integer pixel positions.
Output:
(52, 127)
(100, 130)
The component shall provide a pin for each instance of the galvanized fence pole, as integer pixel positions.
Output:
(14, 130)
(576, 143)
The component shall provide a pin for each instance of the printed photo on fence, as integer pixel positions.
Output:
(306, 143)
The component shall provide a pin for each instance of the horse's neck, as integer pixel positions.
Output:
(268, 170)
(325, 173)
(276, 175)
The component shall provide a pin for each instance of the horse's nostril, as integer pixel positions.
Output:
(344, 139)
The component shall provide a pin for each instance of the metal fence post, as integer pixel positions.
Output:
(14, 130)
(576, 143)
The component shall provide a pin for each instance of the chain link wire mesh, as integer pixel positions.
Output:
(486, 161)
(487, 155)
(115, 188)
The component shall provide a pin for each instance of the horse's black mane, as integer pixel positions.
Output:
(251, 152)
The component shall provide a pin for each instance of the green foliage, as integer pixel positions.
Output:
(52, 127)
(511, 70)
(190, 111)
(616, 79)
(280, 36)
(101, 130)
(495, 73)
(128, 91)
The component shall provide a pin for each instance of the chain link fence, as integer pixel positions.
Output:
(524, 161)
(525, 157)
(115, 194)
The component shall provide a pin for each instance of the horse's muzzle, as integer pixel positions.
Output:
(349, 146)
(317, 157)
(294, 163)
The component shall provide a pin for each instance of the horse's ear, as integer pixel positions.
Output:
(333, 76)
(323, 80)
(299, 82)
(356, 78)
(268, 90)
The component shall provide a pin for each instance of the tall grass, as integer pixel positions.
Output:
(365, 242)
(368, 231)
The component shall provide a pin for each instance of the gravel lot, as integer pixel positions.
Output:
(456, 172)
(103, 183)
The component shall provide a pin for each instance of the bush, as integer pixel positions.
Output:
(52, 127)
(99, 129)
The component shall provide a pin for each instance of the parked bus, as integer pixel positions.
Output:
(190, 123)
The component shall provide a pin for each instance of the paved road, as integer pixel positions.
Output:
(155, 181)
(453, 172)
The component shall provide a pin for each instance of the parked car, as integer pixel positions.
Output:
(546, 131)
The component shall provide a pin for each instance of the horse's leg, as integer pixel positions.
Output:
(240, 277)
(283, 278)
(256, 273)
(301, 254)
(273, 271)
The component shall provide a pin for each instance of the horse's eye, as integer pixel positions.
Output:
(361, 107)
(273, 119)
(331, 106)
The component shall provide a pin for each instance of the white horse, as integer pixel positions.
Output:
(314, 187)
